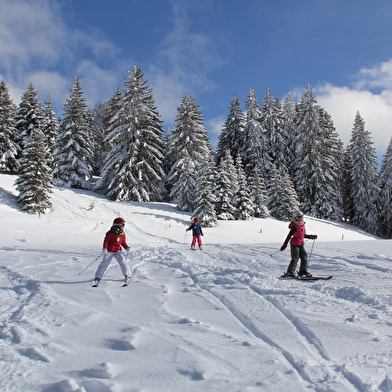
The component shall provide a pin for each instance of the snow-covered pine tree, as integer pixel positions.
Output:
(184, 189)
(308, 170)
(244, 208)
(29, 116)
(316, 164)
(225, 185)
(72, 158)
(188, 140)
(205, 198)
(255, 148)
(272, 122)
(34, 179)
(328, 205)
(104, 119)
(133, 168)
(364, 178)
(49, 127)
(8, 148)
(345, 184)
(282, 199)
(232, 136)
(289, 130)
(258, 193)
(386, 194)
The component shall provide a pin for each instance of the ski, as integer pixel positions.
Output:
(126, 281)
(314, 277)
(284, 276)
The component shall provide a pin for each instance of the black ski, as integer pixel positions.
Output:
(306, 277)
(314, 277)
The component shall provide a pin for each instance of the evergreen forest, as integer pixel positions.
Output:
(272, 157)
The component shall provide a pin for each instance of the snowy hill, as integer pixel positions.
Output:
(211, 320)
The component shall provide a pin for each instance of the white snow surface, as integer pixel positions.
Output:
(219, 319)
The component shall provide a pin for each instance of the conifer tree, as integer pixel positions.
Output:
(255, 149)
(386, 194)
(133, 168)
(8, 148)
(289, 131)
(72, 159)
(205, 198)
(232, 135)
(282, 197)
(105, 119)
(188, 140)
(345, 184)
(29, 116)
(329, 202)
(364, 178)
(258, 194)
(317, 167)
(272, 122)
(34, 179)
(184, 189)
(244, 208)
(49, 127)
(225, 185)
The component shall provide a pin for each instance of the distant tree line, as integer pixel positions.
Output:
(271, 159)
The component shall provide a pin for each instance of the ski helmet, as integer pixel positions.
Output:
(298, 215)
(119, 222)
(196, 220)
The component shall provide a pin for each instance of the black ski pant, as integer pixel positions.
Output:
(298, 252)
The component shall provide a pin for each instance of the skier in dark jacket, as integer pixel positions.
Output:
(297, 234)
(114, 241)
(197, 233)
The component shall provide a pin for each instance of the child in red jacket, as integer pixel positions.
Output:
(297, 234)
(114, 241)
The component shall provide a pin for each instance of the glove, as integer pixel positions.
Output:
(283, 247)
(127, 250)
(313, 237)
(104, 251)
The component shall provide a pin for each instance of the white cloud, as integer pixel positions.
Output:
(37, 45)
(371, 95)
(379, 76)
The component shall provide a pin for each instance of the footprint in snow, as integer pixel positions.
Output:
(103, 371)
(120, 345)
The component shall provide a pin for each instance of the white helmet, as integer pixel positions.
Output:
(297, 215)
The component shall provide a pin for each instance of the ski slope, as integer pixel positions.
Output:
(211, 320)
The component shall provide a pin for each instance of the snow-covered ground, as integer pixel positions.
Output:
(211, 320)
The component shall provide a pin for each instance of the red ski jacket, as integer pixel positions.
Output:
(297, 234)
(113, 241)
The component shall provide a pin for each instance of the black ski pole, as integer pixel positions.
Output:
(273, 254)
(90, 264)
(311, 251)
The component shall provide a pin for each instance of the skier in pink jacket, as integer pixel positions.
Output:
(296, 237)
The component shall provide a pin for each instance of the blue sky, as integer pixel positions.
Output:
(210, 48)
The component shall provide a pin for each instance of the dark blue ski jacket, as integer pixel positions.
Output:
(196, 229)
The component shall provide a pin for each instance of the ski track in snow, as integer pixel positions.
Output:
(39, 314)
(301, 350)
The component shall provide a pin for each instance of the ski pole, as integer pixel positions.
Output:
(311, 250)
(90, 264)
(273, 254)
